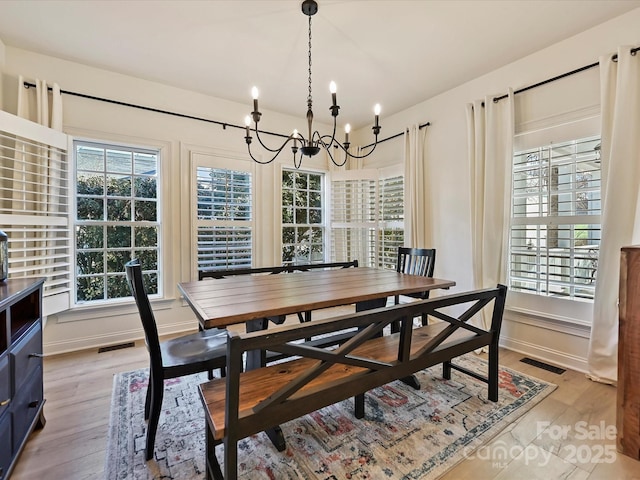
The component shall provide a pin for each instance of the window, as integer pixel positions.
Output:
(117, 219)
(555, 224)
(391, 220)
(303, 227)
(367, 216)
(224, 218)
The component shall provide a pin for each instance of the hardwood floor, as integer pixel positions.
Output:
(546, 443)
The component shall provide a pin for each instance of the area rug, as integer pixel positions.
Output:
(406, 433)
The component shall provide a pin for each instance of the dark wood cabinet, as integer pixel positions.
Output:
(21, 390)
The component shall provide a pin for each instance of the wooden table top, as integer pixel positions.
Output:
(232, 300)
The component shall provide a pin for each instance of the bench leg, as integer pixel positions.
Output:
(446, 370)
(412, 381)
(277, 438)
(493, 373)
(358, 402)
(230, 459)
(213, 467)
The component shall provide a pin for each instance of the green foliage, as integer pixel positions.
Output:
(102, 250)
(301, 208)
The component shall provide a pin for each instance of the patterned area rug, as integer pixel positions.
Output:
(406, 433)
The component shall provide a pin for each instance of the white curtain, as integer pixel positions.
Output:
(620, 156)
(490, 130)
(35, 106)
(416, 215)
(37, 165)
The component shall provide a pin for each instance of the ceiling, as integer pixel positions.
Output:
(393, 52)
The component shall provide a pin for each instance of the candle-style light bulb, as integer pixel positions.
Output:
(256, 114)
(347, 129)
(247, 122)
(376, 111)
(295, 137)
(333, 89)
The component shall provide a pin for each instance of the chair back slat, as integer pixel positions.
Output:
(416, 261)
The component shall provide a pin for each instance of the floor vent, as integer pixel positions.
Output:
(544, 366)
(116, 347)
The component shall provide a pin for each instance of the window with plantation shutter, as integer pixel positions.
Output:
(367, 217)
(224, 218)
(391, 220)
(555, 224)
(34, 208)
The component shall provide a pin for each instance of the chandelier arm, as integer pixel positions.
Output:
(327, 147)
(261, 162)
(297, 164)
(357, 156)
(277, 152)
(333, 135)
(272, 150)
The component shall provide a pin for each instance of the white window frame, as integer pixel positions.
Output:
(323, 209)
(225, 160)
(160, 189)
(561, 314)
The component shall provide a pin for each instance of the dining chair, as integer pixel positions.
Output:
(203, 351)
(416, 261)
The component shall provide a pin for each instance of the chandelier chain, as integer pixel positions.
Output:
(309, 99)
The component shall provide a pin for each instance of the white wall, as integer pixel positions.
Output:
(554, 337)
(2, 61)
(448, 202)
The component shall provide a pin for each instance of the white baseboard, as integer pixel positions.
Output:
(554, 357)
(98, 341)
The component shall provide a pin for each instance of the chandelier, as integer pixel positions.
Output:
(314, 142)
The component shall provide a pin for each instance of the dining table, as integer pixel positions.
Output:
(253, 299)
(219, 303)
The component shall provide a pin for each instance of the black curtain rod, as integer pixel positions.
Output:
(568, 74)
(156, 110)
(182, 115)
(396, 135)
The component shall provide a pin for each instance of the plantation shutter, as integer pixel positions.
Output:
(224, 215)
(354, 216)
(391, 220)
(34, 206)
(367, 216)
(555, 224)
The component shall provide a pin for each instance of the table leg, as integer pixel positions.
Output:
(257, 359)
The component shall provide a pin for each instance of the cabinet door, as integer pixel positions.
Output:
(27, 355)
(26, 405)
(6, 450)
(5, 383)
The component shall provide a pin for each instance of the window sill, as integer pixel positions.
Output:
(541, 320)
(572, 317)
(125, 307)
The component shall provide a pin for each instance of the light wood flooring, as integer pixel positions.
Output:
(540, 445)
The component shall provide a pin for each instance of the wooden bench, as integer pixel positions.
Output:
(245, 403)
